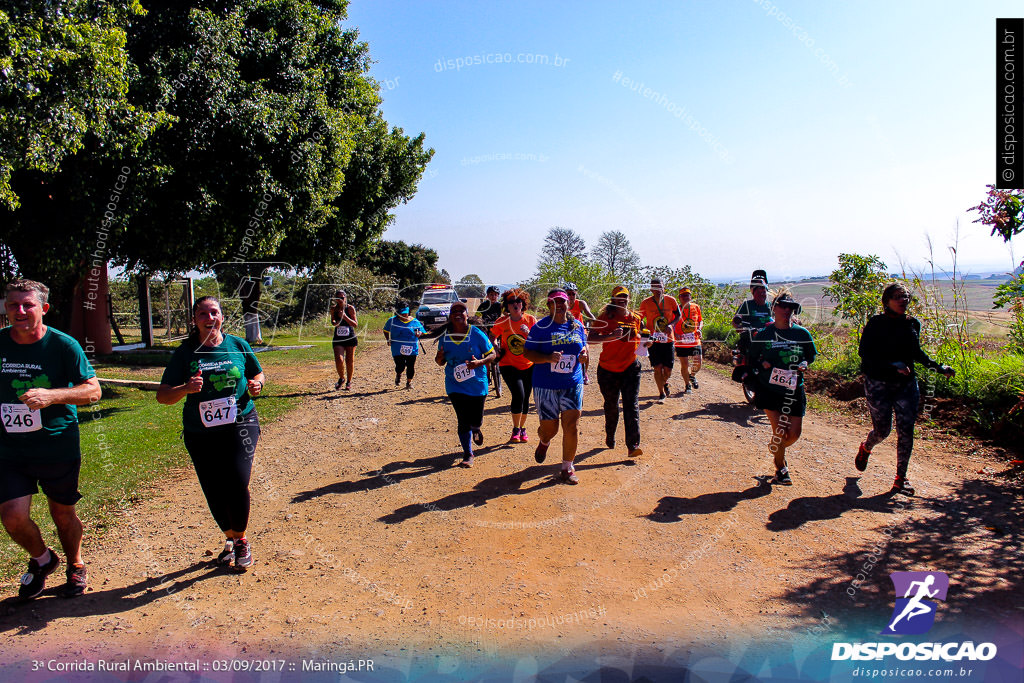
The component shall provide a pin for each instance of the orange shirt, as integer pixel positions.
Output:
(619, 354)
(690, 311)
(503, 330)
(575, 310)
(649, 311)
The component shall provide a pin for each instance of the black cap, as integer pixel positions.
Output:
(786, 299)
(493, 288)
(759, 278)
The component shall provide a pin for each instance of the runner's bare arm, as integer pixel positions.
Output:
(79, 395)
(169, 395)
(541, 357)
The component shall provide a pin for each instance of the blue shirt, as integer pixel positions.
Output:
(473, 345)
(570, 338)
(404, 341)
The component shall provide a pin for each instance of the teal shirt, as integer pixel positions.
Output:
(226, 369)
(54, 362)
(754, 316)
(784, 350)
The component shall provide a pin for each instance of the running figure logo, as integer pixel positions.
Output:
(915, 612)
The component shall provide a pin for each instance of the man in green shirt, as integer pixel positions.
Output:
(44, 374)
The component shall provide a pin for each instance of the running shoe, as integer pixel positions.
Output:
(522, 435)
(586, 379)
(861, 461)
(340, 383)
(398, 383)
(467, 461)
(635, 452)
(226, 555)
(515, 435)
(668, 392)
(569, 477)
(34, 580)
(541, 452)
(243, 555)
(478, 437)
(408, 386)
(348, 386)
(609, 440)
(687, 390)
(661, 398)
(693, 381)
(782, 477)
(77, 582)
(902, 485)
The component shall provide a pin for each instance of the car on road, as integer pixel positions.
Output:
(436, 304)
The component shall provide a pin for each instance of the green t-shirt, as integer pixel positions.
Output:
(784, 350)
(753, 315)
(54, 362)
(226, 369)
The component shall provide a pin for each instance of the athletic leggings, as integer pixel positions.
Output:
(627, 385)
(885, 398)
(223, 457)
(520, 383)
(407, 363)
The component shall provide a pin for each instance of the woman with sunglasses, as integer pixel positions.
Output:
(889, 347)
(509, 333)
(779, 355)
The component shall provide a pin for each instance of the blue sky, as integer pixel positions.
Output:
(770, 134)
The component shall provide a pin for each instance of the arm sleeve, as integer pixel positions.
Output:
(174, 373)
(79, 366)
(919, 354)
(252, 366)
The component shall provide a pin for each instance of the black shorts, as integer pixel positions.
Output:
(59, 480)
(788, 403)
(660, 353)
(687, 351)
(345, 341)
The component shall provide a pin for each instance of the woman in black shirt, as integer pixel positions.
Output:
(889, 347)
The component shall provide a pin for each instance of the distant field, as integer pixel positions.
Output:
(984, 320)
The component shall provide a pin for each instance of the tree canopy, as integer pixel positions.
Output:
(560, 244)
(614, 252)
(194, 132)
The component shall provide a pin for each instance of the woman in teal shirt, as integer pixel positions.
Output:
(218, 375)
(779, 355)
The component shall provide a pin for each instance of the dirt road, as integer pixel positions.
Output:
(367, 540)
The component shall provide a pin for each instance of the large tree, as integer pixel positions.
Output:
(560, 244)
(614, 252)
(268, 145)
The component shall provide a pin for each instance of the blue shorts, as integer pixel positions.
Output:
(552, 402)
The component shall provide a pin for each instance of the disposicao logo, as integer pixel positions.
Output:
(914, 614)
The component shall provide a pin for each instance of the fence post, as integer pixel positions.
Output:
(145, 311)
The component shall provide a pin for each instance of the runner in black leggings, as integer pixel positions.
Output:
(510, 332)
(217, 374)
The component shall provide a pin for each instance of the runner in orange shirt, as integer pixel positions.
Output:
(660, 314)
(509, 333)
(617, 329)
(687, 332)
(579, 309)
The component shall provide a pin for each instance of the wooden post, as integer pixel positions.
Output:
(145, 312)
